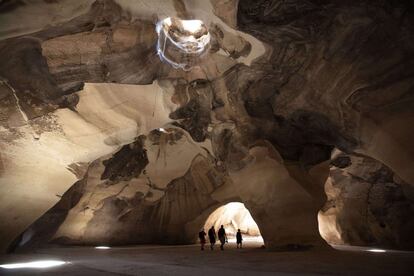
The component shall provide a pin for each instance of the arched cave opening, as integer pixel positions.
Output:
(234, 216)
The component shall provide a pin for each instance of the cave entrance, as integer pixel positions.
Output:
(234, 216)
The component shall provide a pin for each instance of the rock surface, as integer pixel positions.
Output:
(367, 204)
(120, 201)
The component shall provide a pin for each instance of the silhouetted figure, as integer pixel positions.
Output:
(202, 237)
(222, 237)
(212, 237)
(239, 239)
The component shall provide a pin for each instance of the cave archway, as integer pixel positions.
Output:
(234, 216)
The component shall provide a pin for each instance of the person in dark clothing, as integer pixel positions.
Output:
(212, 237)
(239, 239)
(222, 237)
(202, 237)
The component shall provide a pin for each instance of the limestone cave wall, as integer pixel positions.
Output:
(368, 204)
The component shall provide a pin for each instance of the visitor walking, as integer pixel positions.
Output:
(202, 237)
(212, 237)
(239, 239)
(222, 237)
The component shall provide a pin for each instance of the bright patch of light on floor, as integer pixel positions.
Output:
(102, 247)
(35, 264)
(162, 129)
(377, 250)
(252, 239)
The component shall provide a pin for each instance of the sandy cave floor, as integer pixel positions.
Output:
(189, 260)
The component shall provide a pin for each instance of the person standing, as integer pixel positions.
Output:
(239, 239)
(212, 237)
(222, 237)
(202, 237)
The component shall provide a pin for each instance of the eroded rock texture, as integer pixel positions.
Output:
(367, 204)
(153, 150)
(118, 202)
(349, 62)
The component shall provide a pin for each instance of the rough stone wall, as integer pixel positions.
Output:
(348, 62)
(117, 201)
(368, 204)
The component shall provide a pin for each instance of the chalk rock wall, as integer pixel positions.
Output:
(123, 198)
(41, 158)
(350, 63)
(120, 201)
(368, 204)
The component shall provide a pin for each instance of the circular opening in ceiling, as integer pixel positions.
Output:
(182, 42)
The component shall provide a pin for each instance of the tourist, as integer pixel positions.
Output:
(222, 237)
(239, 239)
(212, 237)
(202, 236)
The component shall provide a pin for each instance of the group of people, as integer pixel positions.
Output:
(222, 236)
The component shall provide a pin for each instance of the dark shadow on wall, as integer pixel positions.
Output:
(47, 224)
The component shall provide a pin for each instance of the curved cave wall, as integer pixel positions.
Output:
(368, 204)
(103, 143)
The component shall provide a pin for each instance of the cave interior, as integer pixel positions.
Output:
(131, 123)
